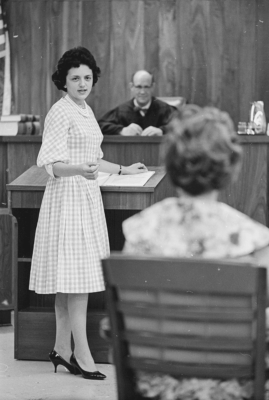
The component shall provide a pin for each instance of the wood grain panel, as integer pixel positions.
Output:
(209, 51)
(3, 174)
(215, 53)
(119, 79)
(230, 77)
(183, 47)
(36, 335)
(151, 37)
(248, 51)
(134, 36)
(200, 15)
(122, 201)
(128, 153)
(249, 194)
(20, 40)
(7, 254)
(27, 200)
(38, 31)
(168, 71)
(2, 73)
(95, 28)
(20, 157)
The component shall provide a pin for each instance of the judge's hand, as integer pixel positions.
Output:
(136, 168)
(89, 170)
(152, 131)
(131, 130)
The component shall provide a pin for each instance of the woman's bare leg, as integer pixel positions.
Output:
(63, 327)
(77, 307)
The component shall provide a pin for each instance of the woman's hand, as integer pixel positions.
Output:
(89, 170)
(136, 168)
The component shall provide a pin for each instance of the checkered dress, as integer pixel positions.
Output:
(71, 235)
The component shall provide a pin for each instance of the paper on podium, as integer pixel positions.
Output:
(105, 179)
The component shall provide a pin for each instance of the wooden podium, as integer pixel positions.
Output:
(34, 313)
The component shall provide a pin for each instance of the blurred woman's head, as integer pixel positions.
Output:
(201, 150)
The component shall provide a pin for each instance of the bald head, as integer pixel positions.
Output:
(142, 87)
(142, 74)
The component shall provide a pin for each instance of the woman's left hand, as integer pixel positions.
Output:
(136, 168)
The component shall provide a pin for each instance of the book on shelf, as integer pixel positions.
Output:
(13, 128)
(105, 179)
(20, 118)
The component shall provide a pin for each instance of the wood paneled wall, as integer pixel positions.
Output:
(209, 51)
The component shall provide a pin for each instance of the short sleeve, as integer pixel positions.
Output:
(54, 143)
(49, 169)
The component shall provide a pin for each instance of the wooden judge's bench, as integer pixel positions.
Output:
(25, 184)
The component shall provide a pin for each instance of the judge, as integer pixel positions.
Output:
(143, 115)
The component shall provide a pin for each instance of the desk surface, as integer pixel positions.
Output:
(35, 179)
(27, 191)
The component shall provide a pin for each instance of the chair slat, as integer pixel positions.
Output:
(192, 276)
(182, 342)
(191, 328)
(186, 370)
(189, 313)
(178, 298)
(190, 356)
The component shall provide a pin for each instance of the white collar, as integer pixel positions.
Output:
(146, 107)
(83, 111)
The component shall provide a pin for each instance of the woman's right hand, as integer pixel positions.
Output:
(136, 168)
(89, 170)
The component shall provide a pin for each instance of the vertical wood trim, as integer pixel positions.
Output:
(259, 373)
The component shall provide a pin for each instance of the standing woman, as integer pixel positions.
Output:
(71, 235)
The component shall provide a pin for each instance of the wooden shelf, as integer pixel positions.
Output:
(21, 139)
(37, 309)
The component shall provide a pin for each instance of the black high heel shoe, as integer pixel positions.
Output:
(86, 374)
(56, 360)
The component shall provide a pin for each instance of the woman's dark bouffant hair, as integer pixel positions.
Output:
(73, 59)
(201, 150)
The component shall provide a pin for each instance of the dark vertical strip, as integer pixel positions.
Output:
(151, 37)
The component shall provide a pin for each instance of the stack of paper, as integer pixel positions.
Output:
(105, 179)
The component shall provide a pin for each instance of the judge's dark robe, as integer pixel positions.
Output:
(125, 114)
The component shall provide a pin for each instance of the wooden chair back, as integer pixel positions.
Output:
(186, 318)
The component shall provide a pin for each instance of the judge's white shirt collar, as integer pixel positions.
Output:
(145, 107)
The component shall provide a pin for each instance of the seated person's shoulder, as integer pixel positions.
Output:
(149, 218)
(250, 233)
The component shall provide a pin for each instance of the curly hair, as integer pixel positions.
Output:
(201, 151)
(73, 58)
